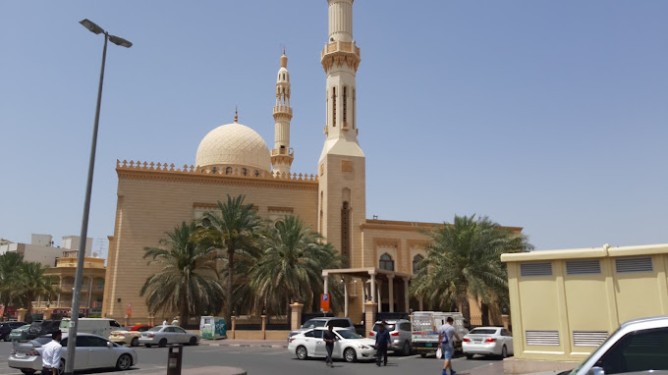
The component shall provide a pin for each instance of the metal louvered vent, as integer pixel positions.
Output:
(589, 338)
(582, 267)
(639, 264)
(536, 269)
(549, 338)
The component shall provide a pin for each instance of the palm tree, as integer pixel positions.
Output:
(464, 260)
(291, 266)
(10, 265)
(233, 228)
(188, 281)
(32, 283)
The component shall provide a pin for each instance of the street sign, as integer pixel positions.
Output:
(324, 302)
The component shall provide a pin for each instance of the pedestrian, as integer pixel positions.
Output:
(175, 321)
(446, 337)
(51, 353)
(382, 342)
(329, 337)
(164, 322)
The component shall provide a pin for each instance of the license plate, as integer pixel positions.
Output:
(428, 345)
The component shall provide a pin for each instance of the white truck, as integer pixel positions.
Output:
(424, 327)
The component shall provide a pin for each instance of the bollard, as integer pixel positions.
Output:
(174, 359)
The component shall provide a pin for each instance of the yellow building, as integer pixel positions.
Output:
(564, 303)
(233, 159)
(62, 275)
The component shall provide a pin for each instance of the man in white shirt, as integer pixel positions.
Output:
(51, 353)
(446, 337)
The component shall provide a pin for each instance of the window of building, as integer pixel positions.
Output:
(416, 263)
(386, 262)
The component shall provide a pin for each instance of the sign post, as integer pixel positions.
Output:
(324, 302)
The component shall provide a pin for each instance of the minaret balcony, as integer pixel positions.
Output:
(283, 109)
(282, 151)
(346, 47)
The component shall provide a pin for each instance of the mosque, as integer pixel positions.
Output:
(233, 159)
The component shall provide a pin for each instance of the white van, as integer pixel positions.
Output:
(97, 326)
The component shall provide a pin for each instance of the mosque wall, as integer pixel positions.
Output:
(153, 202)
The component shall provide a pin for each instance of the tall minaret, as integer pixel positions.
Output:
(282, 155)
(341, 168)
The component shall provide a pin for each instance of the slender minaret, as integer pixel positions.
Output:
(341, 168)
(282, 155)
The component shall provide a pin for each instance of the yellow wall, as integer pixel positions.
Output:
(566, 314)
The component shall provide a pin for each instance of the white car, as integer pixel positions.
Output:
(167, 334)
(91, 352)
(348, 345)
(496, 341)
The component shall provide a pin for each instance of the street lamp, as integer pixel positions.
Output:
(72, 332)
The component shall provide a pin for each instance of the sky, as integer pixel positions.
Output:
(547, 115)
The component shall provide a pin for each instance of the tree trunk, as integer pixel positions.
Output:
(230, 281)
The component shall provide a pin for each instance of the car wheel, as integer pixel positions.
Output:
(27, 371)
(469, 356)
(349, 355)
(61, 369)
(406, 349)
(162, 343)
(124, 362)
(193, 341)
(301, 352)
(147, 345)
(504, 352)
(134, 342)
(423, 355)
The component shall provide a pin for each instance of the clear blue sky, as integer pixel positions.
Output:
(549, 115)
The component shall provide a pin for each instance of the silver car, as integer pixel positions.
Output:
(400, 334)
(496, 341)
(167, 334)
(91, 352)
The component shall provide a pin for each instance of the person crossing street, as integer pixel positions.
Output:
(382, 342)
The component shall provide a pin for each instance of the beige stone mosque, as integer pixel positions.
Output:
(232, 159)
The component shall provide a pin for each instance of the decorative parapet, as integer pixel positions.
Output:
(227, 171)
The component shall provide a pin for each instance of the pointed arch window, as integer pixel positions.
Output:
(386, 262)
(228, 170)
(416, 263)
(345, 234)
(345, 105)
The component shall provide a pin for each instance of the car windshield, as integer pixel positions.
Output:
(482, 331)
(40, 341)
(155, 329)
(348, 334)
(313, 323)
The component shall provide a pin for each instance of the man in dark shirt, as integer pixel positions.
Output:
(329, 337)
(382, 342)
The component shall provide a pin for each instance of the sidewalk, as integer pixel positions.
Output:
(246, 343)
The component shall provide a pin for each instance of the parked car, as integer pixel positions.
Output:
(91, 352)
(349, 345)
(19, 334)
(496, 341)
(324, 322)
(7, 327)
(638, 346)
(129, 335)
(400, 333)
(42, 327)
(167, 334)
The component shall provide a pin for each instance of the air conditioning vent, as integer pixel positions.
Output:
(589, 338)
(536, 269)
(583, 267)
(546, 338)
(637, 264)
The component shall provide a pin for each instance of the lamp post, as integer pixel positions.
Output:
(72, 332)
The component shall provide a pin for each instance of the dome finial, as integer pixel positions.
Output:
(236, 114)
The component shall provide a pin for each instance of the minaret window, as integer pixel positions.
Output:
(354, 109)
(333, 106)
(386, 263)
(345, 105)
(228, 170)
(345, 234)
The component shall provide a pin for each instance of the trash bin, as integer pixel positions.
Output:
(174, 359)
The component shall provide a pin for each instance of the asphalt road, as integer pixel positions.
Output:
(277, 361)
